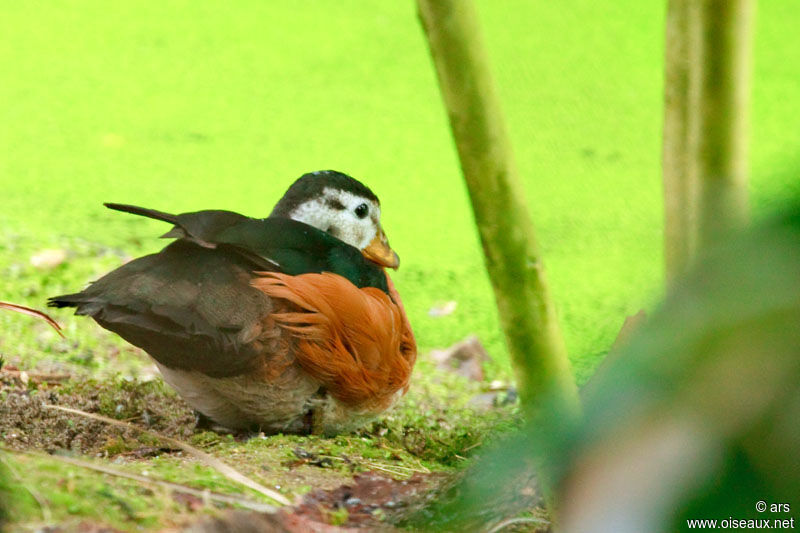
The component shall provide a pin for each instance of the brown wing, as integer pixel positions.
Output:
(356, 342)
(189, 307)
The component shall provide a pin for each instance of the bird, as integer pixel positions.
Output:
(285, 324)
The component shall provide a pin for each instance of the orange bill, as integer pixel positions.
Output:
(379, 251)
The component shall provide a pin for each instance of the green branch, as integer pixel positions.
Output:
(708, 49)
(512, 256)
(678, 208)
(720, 44)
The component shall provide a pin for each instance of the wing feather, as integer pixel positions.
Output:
(189, 307)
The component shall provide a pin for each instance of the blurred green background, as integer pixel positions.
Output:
(186, 105)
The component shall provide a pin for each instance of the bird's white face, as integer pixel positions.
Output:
(351, 218)
(354, 219)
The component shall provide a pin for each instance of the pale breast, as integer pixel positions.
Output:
(245, 401)
(291, 404)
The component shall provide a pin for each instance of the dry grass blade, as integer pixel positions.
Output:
(421, 470)
(405, 474)
(35, 376)
(214, 496)
(224, 469)
(511, 521)
(32, 312)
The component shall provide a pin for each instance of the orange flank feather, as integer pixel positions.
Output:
(357, 342)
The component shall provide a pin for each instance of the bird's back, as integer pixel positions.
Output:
(188, 306)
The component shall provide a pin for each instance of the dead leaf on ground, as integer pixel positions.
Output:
(494, 398)
(464, 358)
(48, 259)
(442, 309)
(189, 501)
(368, 500)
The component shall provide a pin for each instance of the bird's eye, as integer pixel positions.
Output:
(362, 210)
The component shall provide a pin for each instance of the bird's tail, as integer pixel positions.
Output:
(143, 211)
(67, 300)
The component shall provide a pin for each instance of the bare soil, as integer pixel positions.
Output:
(25, 424)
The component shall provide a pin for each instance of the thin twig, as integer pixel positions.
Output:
(40, 500)
(421, 469)
(399, 467)
(32, 312)
(224, 469)
(522, 520)
(205, 494)
(389, 470)
(473, 446)
(36, 376)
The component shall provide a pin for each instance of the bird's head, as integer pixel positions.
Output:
(343, 207)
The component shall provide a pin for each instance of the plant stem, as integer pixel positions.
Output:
(512, 256)
(720, 44)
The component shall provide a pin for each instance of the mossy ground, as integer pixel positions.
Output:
(432, 432)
